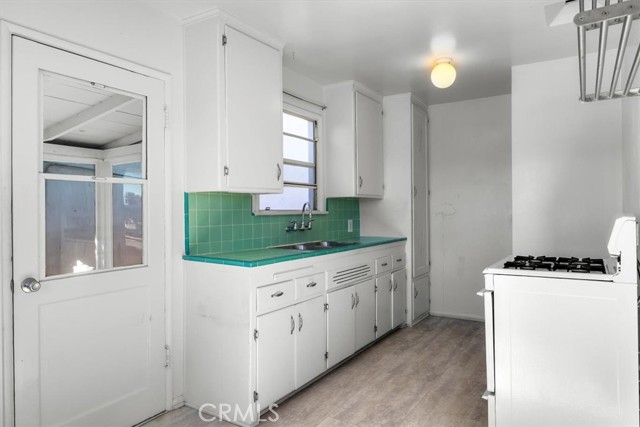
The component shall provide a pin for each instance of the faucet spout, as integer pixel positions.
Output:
(306, 207)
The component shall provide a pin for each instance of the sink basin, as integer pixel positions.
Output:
(314, 246)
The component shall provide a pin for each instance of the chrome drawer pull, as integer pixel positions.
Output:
(311, 285)
(300, 321)
(399, 260)
(293, 325)
(277, 294)
(384, 264)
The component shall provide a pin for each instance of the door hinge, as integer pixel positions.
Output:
(326, 306)
(224, 40)
(255, 334)
(255, 396)
(166, 117)
(226, 170)
(326, 355)
(167, 356)
(375, 328)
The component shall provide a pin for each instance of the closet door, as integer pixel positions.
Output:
(420, 242)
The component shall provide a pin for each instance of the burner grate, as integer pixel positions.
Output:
(562, 264)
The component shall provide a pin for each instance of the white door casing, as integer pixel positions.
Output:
(99, 336)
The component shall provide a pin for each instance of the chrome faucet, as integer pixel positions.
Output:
(306, 207)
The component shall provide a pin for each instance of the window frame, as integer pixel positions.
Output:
(309, 112)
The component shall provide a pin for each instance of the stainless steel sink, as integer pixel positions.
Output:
(314, 246)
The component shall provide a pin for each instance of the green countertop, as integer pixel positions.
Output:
(258, 257)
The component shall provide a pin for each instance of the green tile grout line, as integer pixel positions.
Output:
(223, 222)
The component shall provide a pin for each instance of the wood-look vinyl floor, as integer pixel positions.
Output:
(431, 375)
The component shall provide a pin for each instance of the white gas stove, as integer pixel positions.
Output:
(562, 337)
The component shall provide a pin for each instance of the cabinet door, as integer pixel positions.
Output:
(399, 315)
(384, 291)
(369, 167)
(420, 241)
(275, 355)
(340, 325)
(420, 296)
(365, 313)
(253, 85)
(311, 340)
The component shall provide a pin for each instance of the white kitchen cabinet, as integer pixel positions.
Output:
(275, 353)
(354, 141)
(311, 343)
(420, 297)
(365, 312)
(399, 298)
(254, 335)
(384, 292)
(341, 324)
(233, 107)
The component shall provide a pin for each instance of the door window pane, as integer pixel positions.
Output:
(127, 225)
(70, 227)
(297, 125)
(69, 168)
(299, 174)
(127, 170)
(299, 149)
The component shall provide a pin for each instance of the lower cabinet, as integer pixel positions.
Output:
(399, 279)
(384, 292)
(311, 344)
(276, 355)
(351, 320)
(291, 349)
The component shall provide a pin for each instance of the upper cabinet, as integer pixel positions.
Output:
(354, 141)
(233, 111)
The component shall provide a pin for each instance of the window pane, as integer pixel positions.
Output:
(127, 225)
(296, 125)
(299, 174)
(291, 199)
(127, 170)
(67, 168)
(70, 227)
(299, 149)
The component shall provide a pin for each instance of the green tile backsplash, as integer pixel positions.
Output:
(223, 222)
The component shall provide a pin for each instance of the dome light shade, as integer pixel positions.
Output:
(443, 74)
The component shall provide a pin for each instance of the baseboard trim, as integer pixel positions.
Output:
(457, 316)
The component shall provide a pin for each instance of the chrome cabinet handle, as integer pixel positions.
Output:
(384, 264)
(399, 260)
(353, 301)
(279, 171)
(390, 285)
(311, 285)
(415, 294)
(300, 321)
(395, 285)
(357, 299)
(360, 181)
(30, 284)
(293, 325)
(277, 294)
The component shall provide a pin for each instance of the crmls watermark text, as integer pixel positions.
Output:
(209, 413)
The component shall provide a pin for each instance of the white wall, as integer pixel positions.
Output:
(138, 33)
(631, 156)
(470, 210)
(567, 162)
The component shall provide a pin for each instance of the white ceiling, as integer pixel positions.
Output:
(389, 45)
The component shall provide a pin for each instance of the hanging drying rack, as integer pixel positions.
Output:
(602, 19)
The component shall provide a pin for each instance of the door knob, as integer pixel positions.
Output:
(30, 284)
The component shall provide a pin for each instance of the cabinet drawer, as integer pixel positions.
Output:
(383, 264)
(310, 285)
(275, 296)
(399, 260)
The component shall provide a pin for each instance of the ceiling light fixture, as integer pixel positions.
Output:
(443, 74)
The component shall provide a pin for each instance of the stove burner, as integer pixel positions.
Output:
(562, 264)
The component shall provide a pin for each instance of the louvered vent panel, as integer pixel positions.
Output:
(349, 275)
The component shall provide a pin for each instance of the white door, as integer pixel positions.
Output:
(365, 313)
(369, 147)
(420, 241)
(253, 84)
(399, 297)
(311, 344)
(420, 297)
(275, 355)
(384, 290)
(340, 324)
(88, 241)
